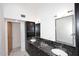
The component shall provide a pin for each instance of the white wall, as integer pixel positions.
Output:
(46, 14)
(1, 50)
(5, 37)
(2, 37)
(43, 12)
(1, 32)
(16, 38)
(1, 11)
(22, 27)
(14, 11)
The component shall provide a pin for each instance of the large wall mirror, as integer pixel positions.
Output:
(65, 30)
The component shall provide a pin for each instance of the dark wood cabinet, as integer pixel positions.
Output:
(30, 29)
(34, 51)
(77, 26)
(37, 30)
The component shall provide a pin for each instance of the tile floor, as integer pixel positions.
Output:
(18, 52)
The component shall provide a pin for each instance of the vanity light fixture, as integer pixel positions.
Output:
(70, 11)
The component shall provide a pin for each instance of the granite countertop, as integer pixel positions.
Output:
(44, 47)
(47, 46)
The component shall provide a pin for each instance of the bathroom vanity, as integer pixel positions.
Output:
(63, 46)
(43, 47)
(66, 37)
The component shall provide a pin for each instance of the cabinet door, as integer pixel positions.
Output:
(9, 37)
(37, 30)
(34, 51)
(30, 28)
(64, 30)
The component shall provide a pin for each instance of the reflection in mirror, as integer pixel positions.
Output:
(65, 30)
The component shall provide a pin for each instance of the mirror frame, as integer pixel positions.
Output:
(73, 31)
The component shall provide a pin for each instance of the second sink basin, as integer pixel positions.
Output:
(33, 40)
(59, 52)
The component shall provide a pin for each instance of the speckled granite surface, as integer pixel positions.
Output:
(71, 51)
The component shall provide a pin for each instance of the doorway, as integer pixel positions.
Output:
(14, 40)
(9, 37)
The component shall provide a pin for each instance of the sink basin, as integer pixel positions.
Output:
(59, 52)
(33, 40)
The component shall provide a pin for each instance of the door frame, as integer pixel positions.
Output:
(73, 44)
(9, 36)
(6, 33)
(22, 28)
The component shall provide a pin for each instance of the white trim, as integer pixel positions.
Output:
(22, 27)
